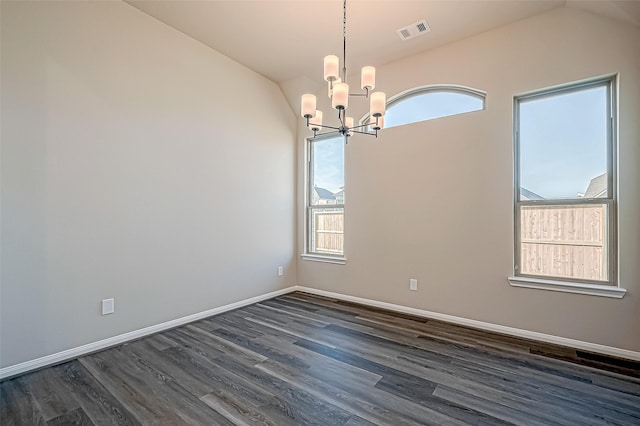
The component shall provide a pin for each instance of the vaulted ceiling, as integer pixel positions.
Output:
(286, 40)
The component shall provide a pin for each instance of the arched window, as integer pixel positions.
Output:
(429, 102)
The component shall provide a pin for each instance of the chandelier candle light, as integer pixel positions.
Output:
(338, 91)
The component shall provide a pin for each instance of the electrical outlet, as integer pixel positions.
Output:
(413, 284)
(108, 306)
(280, 271)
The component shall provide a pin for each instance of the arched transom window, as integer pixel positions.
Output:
(429, 102)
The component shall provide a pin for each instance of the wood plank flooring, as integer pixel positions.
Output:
(300, 359)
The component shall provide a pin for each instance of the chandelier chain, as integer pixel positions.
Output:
(344, 41)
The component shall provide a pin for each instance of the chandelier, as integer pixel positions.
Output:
(338, 91)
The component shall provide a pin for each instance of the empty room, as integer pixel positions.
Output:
(331, 212)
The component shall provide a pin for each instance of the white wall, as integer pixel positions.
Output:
(137, 164)
(434, 200)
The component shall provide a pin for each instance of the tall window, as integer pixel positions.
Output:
(565, 183)
(325, 197)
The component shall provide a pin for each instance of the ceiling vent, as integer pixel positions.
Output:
(413, 30)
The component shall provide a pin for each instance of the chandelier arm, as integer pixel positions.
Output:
(330, 127)
(365, 94)
(337, 132)
(354, 128)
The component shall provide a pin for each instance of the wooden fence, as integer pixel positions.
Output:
(556, 241)
(329, 232)
(564, 241)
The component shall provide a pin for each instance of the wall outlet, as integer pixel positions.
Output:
(413, 284)
(108, 306)
(280, 271)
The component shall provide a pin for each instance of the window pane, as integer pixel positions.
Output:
(430, 105)
(326, 197)
(563, 145)
(327, 171)
(327, 230)
(564, 241)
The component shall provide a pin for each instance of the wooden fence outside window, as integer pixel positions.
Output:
(329, 232)
(564, 241)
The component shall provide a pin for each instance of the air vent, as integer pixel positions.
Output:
(414, 30)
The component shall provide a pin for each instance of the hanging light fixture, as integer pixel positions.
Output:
(338, 91)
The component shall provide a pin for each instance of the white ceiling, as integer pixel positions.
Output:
(286, 40)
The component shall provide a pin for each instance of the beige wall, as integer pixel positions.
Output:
(136, 164)
(448, 218)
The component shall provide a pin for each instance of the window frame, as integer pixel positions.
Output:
(433, 88)
(575, 285)
(309, 208)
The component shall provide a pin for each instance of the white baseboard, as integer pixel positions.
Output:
(69, 354)
(517, 332)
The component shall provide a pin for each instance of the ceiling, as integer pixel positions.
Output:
(285, 41)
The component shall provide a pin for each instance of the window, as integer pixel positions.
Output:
(565, 183)
(429, 102)
(325, 197)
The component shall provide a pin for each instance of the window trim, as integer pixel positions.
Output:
(308, 209)
(611, 287)
(434, 88)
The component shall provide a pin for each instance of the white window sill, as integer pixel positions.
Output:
(326, 259)
(568, 287)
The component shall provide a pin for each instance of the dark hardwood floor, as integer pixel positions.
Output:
(301, 359)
